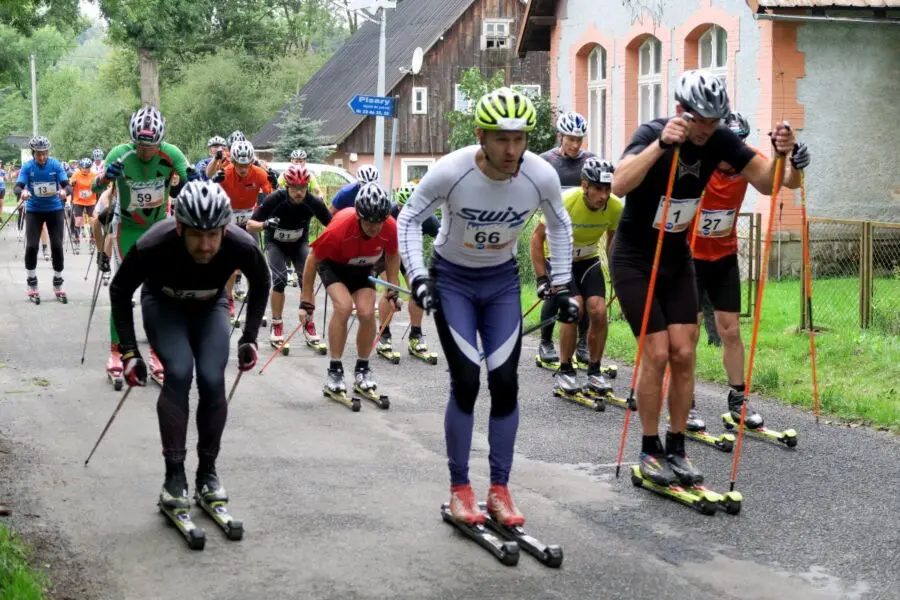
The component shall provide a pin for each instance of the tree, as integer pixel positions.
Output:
(27, 15)
(47, 43)
(299, 132)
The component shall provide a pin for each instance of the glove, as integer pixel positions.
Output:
(306, 311)
(273, 178)
(135, 369)
(192, 174)
(219, 177)
(424, 294)
(567, 308)
(103, 262)
(271, 223)
(246, 354)
(544, 290)
(394, 298)
(113, 171)
(800, 156)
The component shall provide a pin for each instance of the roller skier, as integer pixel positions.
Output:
(346, 196)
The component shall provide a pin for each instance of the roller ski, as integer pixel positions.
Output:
(32, 290)
(154, 366)
(566, 387)
(173, 502)
(419, 349)
(212, 498)
(276, 337)
(465, 515)
(364, 386)
(313, 340)
(753, 422)
(502, 518)
(385, 349)
(547, 358)
(337, 391)
(114, 368)
(58, 291)
(696, 430)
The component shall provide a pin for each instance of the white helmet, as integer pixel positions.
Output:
(368, 174)
(702, 94)
(571, 123)
(203, 205)
(242, 153)
(147, 126)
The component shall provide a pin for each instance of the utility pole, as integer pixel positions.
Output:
(379, 121)
(34, 112)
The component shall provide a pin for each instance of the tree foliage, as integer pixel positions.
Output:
(25, 16)
(473, 86)
(298, 132)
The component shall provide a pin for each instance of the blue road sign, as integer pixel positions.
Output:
(372, 106)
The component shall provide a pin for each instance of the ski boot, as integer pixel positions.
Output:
(597, 383)
(655, 474)
(501, 508)
(566, 387)
(385, 349)
(337, 391)
(173, 502)
(582, 356)
(694, 423)
(547, 358)
(33, 294)
(752, 419)
(114, 367)
(57, 289)
(754, 422)
(418, 348)
(240, 290)
(680, 464)
(655, 468)
(156, 368)
(276, 337)
(464, 514)
(696, 430)
(312, 338)
(364, 385)
(212, 498)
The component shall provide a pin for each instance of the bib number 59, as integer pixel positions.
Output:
(482, 237)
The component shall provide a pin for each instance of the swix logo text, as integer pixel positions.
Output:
(509, 216)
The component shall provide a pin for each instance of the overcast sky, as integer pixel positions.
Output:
(91, 9)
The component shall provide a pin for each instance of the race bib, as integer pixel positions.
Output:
(147, 194)
(45, 189)
(365, 261)
(85, 194)
(588, 251)
(716, 223)
(241, 217)
(287, 235)
(681, 212)
(490, 238)
(190, 294)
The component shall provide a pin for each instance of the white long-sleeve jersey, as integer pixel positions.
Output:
(481, 218)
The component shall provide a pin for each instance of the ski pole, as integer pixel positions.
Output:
(612, 301)
(234, 387)
(387, 321)
(757, 312)
(108, 423)
(91, 314)
(533, 306)
(14, 212)
(90, 261)
(282, 345)
(648, 303)
(324, 315)
(238, 317)
(389, 286)
(808, 285)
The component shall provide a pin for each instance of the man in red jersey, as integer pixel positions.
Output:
(343, 256)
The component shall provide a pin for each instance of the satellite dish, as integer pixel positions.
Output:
(418, 56)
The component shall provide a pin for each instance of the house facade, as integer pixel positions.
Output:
(828, 68)
(455, 35)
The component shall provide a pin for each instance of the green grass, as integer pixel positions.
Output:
(17, 580)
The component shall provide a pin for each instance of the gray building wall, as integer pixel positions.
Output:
(851, 95)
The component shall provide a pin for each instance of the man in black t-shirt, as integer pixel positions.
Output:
(641, 177)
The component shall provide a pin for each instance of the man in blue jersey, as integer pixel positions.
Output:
(346, 196)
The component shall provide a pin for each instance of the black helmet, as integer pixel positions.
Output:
(737, 123)
(203, 205)
(39, 143)
(373, 203)
(702, 94)
(597, 171)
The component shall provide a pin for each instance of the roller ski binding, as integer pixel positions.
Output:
(114, 367)
(547, 358)
(313, 340)
(419, 349)
(385, 349)
(276, 337)
(173, 502)
(212, 498)
(58, 291)
(364, 385)
(32, 291)
(502, 518)
(566, 387)
(696, 430)
(337, 391)
(463, 513)
(154, 366)
(753, 422)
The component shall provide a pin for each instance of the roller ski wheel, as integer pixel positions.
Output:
(549, 555)
(594, 403)
(285, 349)
(265, 322)
(505, 551)
(611, 371)
(116, 381)
(215, 505)
(313, 340)
(318, 346)
(788, 437)
(704, 501)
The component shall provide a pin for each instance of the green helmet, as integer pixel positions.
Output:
(505, 109)
(402, 195)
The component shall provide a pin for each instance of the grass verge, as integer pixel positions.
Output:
(17, 580)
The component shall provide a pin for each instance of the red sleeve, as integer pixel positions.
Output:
(390, 230)
(328, 241)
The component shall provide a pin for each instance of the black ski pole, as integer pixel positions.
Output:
(108, 423)
(90, 260)
(234, 386)
(238, 318)
(91, 314)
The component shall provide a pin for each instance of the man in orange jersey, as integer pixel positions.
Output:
(83, 199)
(716, 264)
(245, 183)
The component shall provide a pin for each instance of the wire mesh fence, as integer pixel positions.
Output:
(835, 251)
(884, 277)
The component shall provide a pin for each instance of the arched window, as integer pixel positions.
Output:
(713, 51)
(650, 80)
(598, 92)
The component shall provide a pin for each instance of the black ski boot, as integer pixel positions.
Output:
(174, 493)
(752, 419)
(655, 467)
(208, 487)
(547, 354)
(680, 464)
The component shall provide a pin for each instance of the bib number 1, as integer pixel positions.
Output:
(681, 213)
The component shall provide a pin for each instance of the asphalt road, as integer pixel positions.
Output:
(344, 505)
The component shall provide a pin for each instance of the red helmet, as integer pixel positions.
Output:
(297, 175)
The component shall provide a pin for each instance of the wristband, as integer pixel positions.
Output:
(307, 306)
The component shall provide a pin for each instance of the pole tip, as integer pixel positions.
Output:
(731, 487)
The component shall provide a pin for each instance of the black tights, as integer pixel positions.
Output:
(34, 223)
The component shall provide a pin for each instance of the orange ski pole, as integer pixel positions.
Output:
(278, 349)
(807, 283)
(647, 304)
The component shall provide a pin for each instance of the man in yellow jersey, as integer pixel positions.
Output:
(594, 210)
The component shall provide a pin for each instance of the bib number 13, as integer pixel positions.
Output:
(681, 213)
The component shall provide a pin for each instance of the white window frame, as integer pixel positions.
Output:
(651, 80)
(532, 90)
(460, 102)
(423, 91)
(339, 162)
(717, 65)
(405, 163)
(598, 86)
(500, 36)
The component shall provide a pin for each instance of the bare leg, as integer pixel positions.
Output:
(365, 313)
(682, 357)
(729, 327)
(650, 377)
(337, 326)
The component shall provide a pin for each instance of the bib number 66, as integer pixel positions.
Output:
(483, 237)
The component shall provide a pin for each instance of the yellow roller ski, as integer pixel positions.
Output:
(788, 437)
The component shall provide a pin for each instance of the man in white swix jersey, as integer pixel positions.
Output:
(486, 194)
